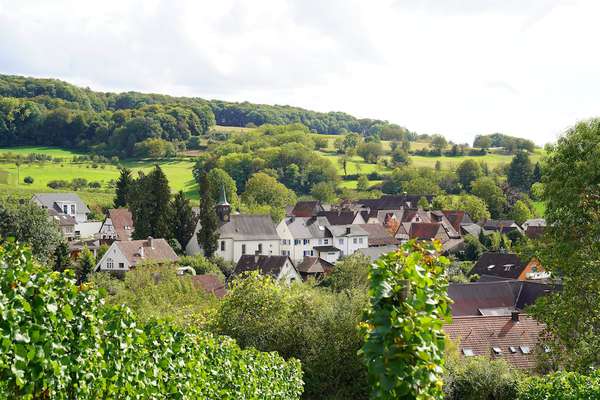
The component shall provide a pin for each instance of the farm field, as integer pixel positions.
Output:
(178, 171)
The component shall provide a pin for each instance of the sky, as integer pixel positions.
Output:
(528, 68)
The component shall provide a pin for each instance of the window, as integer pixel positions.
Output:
(296, 242)
(525, 349)
(497, 350)
(512, 349)
(360, 240)
(260, 248)
(72, 209)
(320, 242)
(110, 263)
(65, 209)
(354, 240)
(243, 249)
(341, 241)
(468, 352)
(306, 241)
(326, 241)
(122, 265)
(222, 245)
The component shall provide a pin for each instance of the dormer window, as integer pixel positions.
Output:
(72, 209)
(65, 209)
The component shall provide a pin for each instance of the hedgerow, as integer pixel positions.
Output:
(561, 386)
(59, 340)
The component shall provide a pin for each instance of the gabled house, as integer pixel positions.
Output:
(306, 209)
(342, 217)
(118, 225)
(124, 255)
(508, 266)
(70, 212)
(501, 226)
(514, 337)
(210, 284)
(379, 235)
(314, 267)
(280, 268)
(239, 234)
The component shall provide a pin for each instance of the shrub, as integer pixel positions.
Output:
(58, 184)
(404, 340)
(59, 341)
(561, 386)
(314, 325)
(28, 180)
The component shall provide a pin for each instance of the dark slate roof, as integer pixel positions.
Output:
(375, 252)
(393, 202)
(378, 235)
(326, 249)
(424, 230)
(338, 217)
(471, 229)
(314, 265)
(501, 225)
(266, 265)
(306, 208)
(516, 341)
(249, 227)
(470, 298)
(505, 265)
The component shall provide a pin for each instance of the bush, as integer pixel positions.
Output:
(28, 180)
(60, 342)
(201, 265)
(474, 378)
(314, 325)
(561, 386)
(58, 184)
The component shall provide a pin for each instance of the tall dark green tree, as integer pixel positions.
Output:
(520, 172)
(183, 222)
(85, 264)
(62, 259)
(150, 206)
(123, 187)
(537, 173)
(468, 171)
(208, 235)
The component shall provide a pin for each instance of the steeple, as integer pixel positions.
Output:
(223, 208)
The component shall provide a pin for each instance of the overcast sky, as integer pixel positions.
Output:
(455, 67)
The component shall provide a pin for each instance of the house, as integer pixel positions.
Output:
(534, 222)
(66, 208)
(457, 218)
(124, 255)
(508, 266)
(342, 217)
(374, 253)
(379, 235)
(514, 337)
(314, 267)
(501, 226)
(495, 297)
(309, 237)
(306, 209)
(280, 268)
(63, 203)
(118, 225)
(210, 284)
(240, 234)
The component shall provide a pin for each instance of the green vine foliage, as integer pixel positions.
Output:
(59, 340)
(404, 340)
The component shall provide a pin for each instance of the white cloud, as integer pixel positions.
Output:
(455, 67)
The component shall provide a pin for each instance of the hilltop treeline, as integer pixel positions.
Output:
(510, 143)
(54, 112)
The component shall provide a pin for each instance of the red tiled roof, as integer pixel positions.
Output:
(122, 221)
(481, 334)
(378, 235)
(424, 230)
(210, 284)
(455, 218)
(306, 209)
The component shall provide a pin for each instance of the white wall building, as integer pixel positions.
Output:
(121, 256)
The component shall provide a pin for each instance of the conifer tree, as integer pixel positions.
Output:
(208, 235)
(62, 259)
(123, 186)
(183, 222)
(85, 264)
(149, 203)
(520, 172)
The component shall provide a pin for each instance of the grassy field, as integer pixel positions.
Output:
(178, 171)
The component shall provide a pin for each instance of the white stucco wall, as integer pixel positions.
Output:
(115, 254)
(88, 229)
(289, 274)
(233, 249)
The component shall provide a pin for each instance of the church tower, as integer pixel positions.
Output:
(223, 208)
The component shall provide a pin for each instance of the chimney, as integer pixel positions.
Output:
(150, 242)
(141, 251)
(514, 316)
